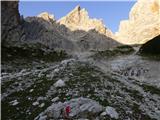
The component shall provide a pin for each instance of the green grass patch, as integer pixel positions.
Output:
(151, 89)
(120, 50)
(32, 52)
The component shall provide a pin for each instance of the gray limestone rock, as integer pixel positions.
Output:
(80, 108)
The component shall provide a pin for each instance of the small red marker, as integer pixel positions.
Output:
(68, 109)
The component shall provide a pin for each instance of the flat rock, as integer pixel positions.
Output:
(111, 112)
(59, 83)
(80, 108)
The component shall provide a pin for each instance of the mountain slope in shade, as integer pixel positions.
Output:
(151, 47)
(143, 23)
(40, 30)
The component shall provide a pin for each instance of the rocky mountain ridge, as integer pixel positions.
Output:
(44, 29)
(143, 24)
(78, 29)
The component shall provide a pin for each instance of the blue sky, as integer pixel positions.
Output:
(112, 12)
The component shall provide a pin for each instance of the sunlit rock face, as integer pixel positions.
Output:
(46, 16)
(143, 23)
(78, 19)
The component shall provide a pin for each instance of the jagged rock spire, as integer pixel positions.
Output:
(78, 19)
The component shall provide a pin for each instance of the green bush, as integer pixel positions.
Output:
(32, 52)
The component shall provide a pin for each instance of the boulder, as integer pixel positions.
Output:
(111, 112)
(79, 108)
(59, 83)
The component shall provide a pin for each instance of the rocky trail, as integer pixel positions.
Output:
(120, 88)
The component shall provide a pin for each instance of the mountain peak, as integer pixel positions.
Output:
(46, 16)
(78, 19)
(76, 16)
(77, 8)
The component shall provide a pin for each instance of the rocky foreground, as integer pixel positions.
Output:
(106, 87)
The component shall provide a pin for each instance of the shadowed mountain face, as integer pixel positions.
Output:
(151, 47)
(12, 30)
(58, 36)
(45, 32)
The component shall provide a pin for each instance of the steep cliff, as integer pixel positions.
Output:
(12, 31)
(143, 23)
